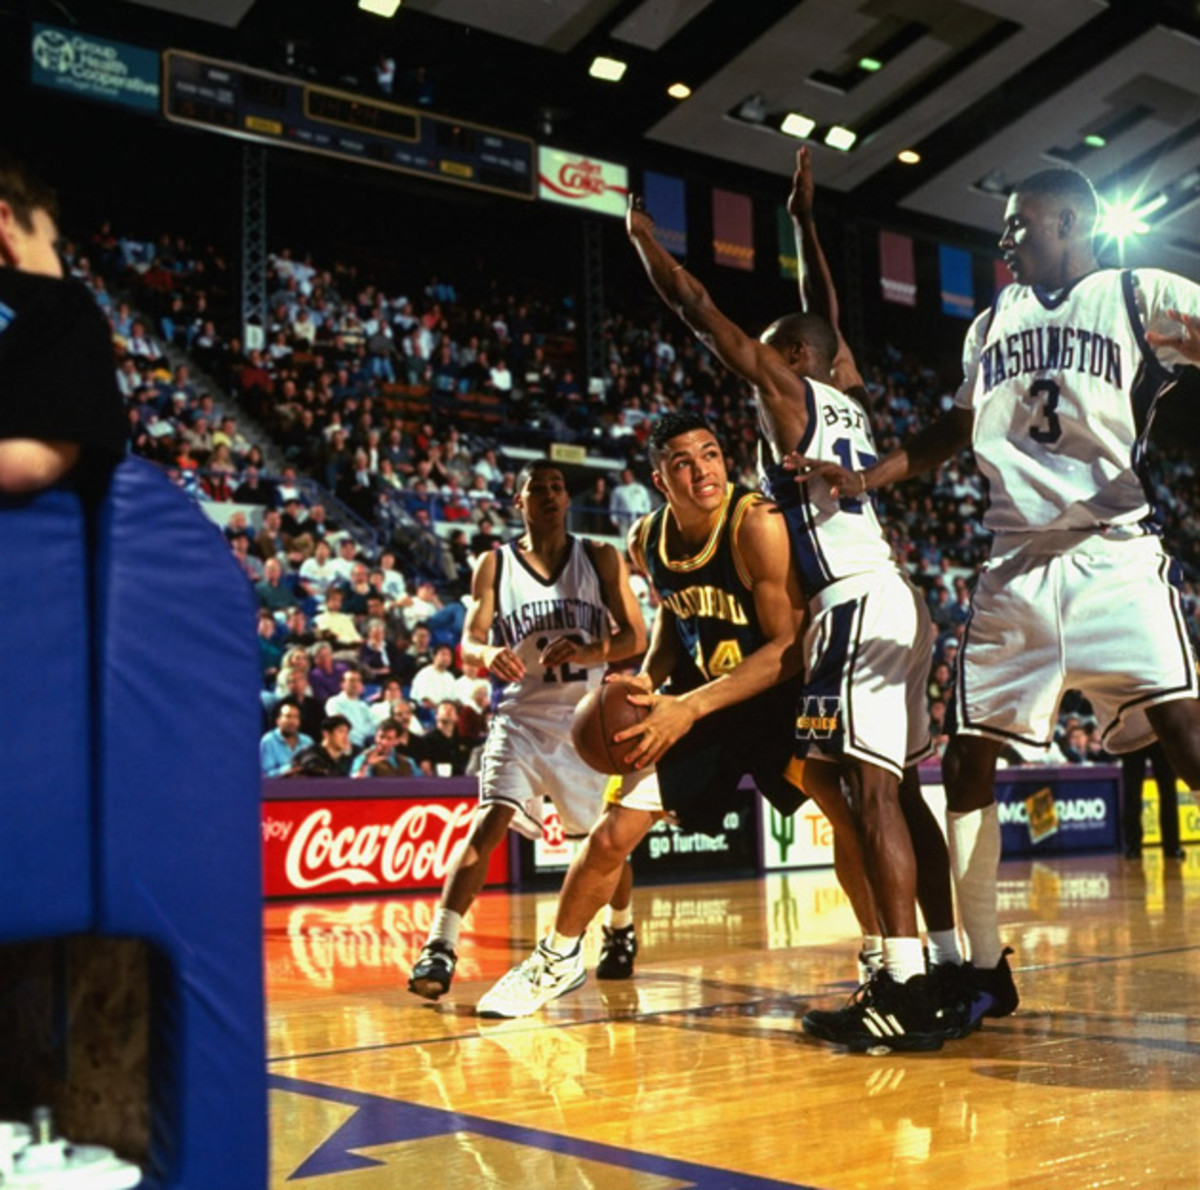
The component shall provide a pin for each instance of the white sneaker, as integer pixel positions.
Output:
(542, 977)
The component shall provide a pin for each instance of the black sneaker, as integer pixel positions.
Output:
(433, 970)
(995, 992)
(882, 1015)
(616, 953)
(954, 992)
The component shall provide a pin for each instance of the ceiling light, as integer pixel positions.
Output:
(908, 156)
(870, 65)
(1094, 141)
(679, 90)
(612, 70)
(381, 8)
(794, 124)
(840, 138)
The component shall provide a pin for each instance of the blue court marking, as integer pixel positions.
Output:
(380, 1121)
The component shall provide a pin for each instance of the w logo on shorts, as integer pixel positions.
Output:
(819, 718)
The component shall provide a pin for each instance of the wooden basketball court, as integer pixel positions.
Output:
(696, 1072)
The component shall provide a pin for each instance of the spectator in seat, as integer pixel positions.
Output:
(435, 682)
(382, 758)
(274, 595)
(277, 749)
(629, 501)
(375, 655)
(252, 490)
(325, 676)
(320, 572)
(331, 757)
(351, 705)
(334, 624)
(446, 751)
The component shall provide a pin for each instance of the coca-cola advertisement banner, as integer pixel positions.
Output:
(579, 180)
(368, 845)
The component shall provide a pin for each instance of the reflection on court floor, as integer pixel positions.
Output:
(696, 1073)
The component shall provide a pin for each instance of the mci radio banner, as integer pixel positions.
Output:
(94, 68)
(580, 181)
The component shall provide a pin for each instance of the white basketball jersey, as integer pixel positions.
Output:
(831, 539)
(532, 611)
(1063, 392)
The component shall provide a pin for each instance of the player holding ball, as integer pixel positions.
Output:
(725, 648)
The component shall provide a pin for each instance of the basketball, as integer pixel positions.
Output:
(601, 713)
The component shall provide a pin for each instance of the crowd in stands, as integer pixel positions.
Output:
(410, 408)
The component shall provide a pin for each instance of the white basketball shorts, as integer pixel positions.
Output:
(523, 762)
(867, 652)
(1103, 618)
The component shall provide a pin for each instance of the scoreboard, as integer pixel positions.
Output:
(255, 105)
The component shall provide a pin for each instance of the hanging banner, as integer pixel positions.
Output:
(897, 269)
(958, 286)
(94, 67)
(665, 203)
(733, 230)
(588, 183)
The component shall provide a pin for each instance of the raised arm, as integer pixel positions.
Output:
(818, 295)
(780, 390)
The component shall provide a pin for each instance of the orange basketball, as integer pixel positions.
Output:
(601, 713)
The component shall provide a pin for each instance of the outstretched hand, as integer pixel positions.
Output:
(637, 218)
(1186, 342)
(841, 480)
(800, 201)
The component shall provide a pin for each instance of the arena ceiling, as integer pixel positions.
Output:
(986, 91)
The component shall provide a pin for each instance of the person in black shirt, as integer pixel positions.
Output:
(59, 401)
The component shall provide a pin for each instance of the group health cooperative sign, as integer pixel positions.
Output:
(95, 68)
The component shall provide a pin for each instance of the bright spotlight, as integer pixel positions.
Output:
(679, 90)
(1122, 220)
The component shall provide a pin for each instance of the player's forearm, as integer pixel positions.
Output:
(663, 653)
(817, 292)
(675, 285)
(627, 642)
(925, 451)
(477, 652)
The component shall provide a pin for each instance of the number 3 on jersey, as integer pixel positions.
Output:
(1052, 430)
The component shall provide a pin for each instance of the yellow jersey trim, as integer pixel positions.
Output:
(710, 546)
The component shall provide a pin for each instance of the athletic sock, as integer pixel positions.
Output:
(618, 919)
(445, 928)
(872, 950)
(903, 958)
(974, 841)
(562, 944)
(943, 948)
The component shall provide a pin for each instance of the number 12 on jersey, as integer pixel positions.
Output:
(852, 460)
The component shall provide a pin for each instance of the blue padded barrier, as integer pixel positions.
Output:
(177, 795)
(45, 782)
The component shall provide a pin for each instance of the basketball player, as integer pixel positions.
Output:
(1061, 378)
(867, 646)
(818, 295)
(725, 648)
(541, 622)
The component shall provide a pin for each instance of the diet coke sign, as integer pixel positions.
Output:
(366, 845)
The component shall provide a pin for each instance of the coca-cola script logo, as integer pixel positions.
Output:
(418, 845)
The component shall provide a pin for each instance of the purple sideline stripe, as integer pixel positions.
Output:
(380, 1121)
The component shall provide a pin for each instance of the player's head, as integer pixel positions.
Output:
(688, 462)
(541, 492)
(807, 341)
(28, 221)
(1049, 223)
